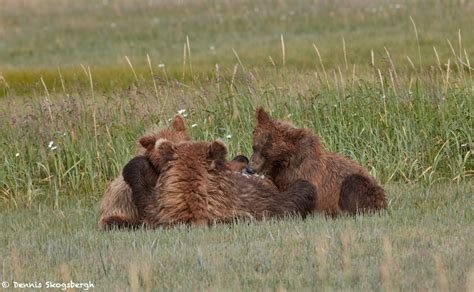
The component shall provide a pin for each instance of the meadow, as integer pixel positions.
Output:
(388, 84)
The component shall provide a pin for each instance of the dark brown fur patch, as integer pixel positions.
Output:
(359, 194)
(141, 176)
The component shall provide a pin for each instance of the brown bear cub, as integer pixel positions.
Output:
(286, 154)
(117, 208)
(195, 185)
(140, 174)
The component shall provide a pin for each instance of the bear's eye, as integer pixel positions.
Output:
(254, 148)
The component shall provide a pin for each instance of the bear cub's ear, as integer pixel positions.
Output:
(217, 151)
(147, 141)
(178, 124)
(262, 116)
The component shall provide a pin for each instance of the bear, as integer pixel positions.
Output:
(117, 208)
(196, 186)
(141, 176)
(286, 153)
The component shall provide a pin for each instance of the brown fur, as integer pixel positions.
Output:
(196, 186)
(238, 163)
(140, 174)
(286, 154)
(117, 208)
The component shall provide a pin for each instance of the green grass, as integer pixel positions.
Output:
(422, 135)
(64, 78)
(101, 34)
(425, 243)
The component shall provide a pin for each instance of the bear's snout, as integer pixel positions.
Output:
(250, 170)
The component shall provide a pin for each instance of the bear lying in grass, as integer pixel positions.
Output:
(117, 208)
(194, 185)
(287, 154)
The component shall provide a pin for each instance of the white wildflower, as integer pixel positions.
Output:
(182, 111)
(194, 125)
(54, 148)
(17, 154)
(228, 136)
(161, 65)
(51, 143)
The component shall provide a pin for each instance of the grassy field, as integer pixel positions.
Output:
(381, 82)
(424, 244)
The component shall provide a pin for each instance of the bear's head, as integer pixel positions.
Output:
(188, 158)
(188, 172)
(175, 133)
(277, 143)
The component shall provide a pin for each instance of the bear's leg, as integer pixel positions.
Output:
(117, 208)
(119, 221)
(141, 176)
(359, 194)
(299, 198)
